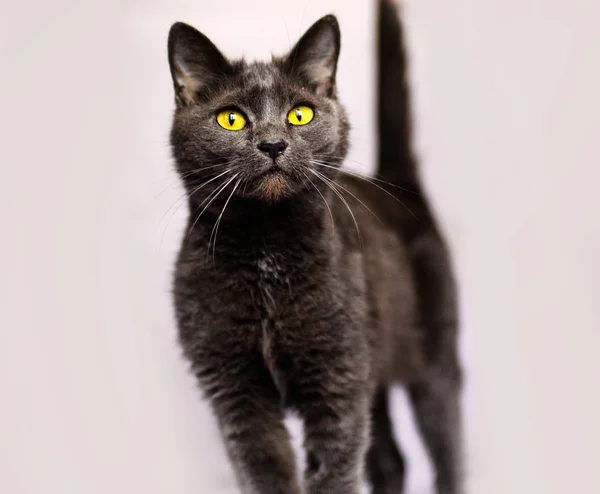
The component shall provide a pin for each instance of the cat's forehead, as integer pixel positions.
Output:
(261, 75)
(266, 90)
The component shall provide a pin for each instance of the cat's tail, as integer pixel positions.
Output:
(396, 161)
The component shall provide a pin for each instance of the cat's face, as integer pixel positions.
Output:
(264, 130)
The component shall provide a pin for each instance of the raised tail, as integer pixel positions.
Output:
(438, 412)
(396, 161)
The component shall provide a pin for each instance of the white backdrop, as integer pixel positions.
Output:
(94, 395)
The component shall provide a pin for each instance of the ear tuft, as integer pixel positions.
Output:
(195, 63)
(315, 56)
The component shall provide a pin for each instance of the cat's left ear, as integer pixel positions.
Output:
(315, 56)
(195, 62)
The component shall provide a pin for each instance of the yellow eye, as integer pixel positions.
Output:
(231, 120)
(300, 115)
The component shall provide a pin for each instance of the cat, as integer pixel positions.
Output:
(300, 286)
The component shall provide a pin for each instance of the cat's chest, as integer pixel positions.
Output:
(278, 285)
(274, 283)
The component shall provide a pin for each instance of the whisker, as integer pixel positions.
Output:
(358, 175)
(347, 191)
(173, 183)
(181, 200)
(181, 176)
(214, 196)
(323, 197)
(228, 163)
(189, 173)
(245, 182)
(186, 195)
(368, 178)
(321, 176)
(216, 227)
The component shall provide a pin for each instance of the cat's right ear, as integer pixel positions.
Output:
(315, 56)
(195, 63)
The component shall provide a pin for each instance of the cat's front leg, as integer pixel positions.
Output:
(336, 441)
(335, 409)
(250, 416)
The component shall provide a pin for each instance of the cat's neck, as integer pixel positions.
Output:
(301, 220)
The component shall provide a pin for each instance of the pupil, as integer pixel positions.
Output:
(231, 118)
(299, 114)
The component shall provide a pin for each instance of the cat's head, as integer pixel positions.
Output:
(265, 129)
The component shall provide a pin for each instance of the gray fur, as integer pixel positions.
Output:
(282, 302)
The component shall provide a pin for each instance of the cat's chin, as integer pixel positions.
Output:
(273, 187)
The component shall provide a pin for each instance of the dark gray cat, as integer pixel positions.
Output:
(302, 287)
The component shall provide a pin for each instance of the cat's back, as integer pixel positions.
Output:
(391, 294)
